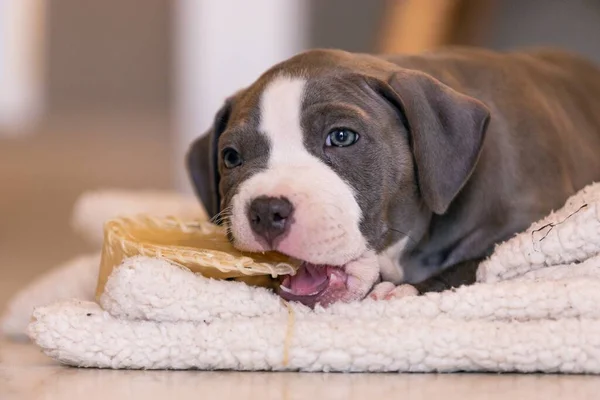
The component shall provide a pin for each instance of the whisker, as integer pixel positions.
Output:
(222, 215)
(219, 220)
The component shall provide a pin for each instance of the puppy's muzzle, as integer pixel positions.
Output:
(270, 217)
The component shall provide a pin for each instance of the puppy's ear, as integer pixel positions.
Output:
(202, 162)
(447, 130)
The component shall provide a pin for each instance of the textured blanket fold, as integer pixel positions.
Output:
(157, 315)
(534, 309)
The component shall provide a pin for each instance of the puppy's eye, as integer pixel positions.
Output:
(231, 158)
(341, 138)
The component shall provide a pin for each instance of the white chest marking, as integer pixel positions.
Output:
(389, 262)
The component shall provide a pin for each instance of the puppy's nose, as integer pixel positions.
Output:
(269, 216)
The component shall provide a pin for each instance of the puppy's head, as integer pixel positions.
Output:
(330, 158)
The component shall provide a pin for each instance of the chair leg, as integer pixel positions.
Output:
(413, 26)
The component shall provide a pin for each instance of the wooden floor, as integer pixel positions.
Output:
(40, 178)
(27, 374)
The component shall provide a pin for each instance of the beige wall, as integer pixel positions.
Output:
(109, 54)
(117, 54)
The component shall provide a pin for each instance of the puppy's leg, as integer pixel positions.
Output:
(361, 275)
(458, 275)
(455, 276)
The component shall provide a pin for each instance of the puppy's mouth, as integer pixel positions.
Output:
(313, 284)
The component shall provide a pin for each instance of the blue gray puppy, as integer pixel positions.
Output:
(401, 169)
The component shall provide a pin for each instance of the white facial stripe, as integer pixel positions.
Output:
(326, 227)
(280, 107)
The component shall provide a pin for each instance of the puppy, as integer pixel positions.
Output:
(401, 169)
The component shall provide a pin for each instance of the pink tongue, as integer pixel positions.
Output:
(308, 280)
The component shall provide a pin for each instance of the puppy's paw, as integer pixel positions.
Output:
(388, 291)
(381, 290)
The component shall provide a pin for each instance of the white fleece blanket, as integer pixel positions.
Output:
(535, 309)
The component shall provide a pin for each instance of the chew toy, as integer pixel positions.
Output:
(199, 246)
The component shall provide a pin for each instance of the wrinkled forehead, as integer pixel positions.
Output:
(285, 94)
(329, 76)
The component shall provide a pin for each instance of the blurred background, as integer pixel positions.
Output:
(108, 94)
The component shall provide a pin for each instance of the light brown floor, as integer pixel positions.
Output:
(26, 374)
(40, 178)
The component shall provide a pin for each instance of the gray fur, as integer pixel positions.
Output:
(459, 148)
